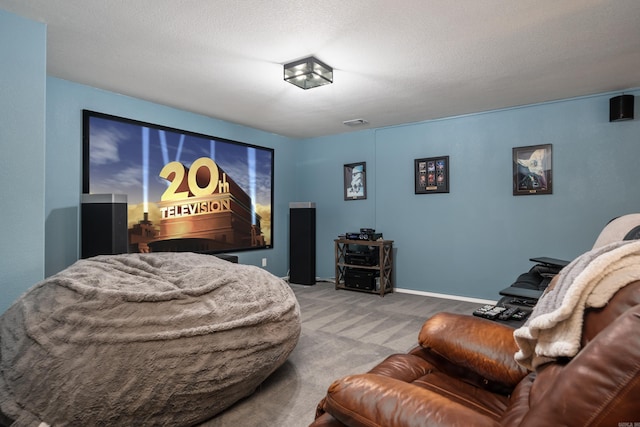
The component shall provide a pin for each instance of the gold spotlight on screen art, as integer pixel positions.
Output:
(308, 72)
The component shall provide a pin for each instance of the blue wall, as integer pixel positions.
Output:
(471, 242)
(475, 240)
(22, 154)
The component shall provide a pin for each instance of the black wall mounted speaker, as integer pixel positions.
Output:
(302, 243)
(104, 225)
(621, 108)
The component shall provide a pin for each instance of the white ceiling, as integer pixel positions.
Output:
(395, 61)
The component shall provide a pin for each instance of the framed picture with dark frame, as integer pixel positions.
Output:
(432, 175)
(355, 181)
(532, 170)
(185, 191)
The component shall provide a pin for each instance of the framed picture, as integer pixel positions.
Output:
(355, 181)
(532, 170)
(432, 175)
(185, 191)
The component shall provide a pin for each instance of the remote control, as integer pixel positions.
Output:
(480, 311)
(508, 313)
(520, 315)
(493, 313)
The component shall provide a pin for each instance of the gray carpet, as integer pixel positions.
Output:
(343, 332)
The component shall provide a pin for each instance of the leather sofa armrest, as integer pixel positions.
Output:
(370, 400)
(481, 346)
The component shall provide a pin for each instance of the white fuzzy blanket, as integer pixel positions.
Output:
(143, 339)
(554, 328)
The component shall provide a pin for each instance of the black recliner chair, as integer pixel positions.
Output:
(528, 287)
(531, 285)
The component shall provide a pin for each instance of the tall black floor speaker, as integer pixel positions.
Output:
(104, 224)
(302, 243)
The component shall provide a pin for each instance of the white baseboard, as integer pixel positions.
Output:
(444, 296)
(423, 293)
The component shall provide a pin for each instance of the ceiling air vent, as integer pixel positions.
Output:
(355, 122)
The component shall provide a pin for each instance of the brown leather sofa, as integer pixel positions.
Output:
(463, 373)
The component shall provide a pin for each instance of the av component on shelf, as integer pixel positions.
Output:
(369, 258)
(362, 254)
(364, 234)
(362, 279)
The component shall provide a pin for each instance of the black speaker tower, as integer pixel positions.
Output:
(104, 224)
(302, 243)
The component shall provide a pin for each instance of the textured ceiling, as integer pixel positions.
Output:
(395, 61)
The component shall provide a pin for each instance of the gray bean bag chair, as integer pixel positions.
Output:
(142, 339)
